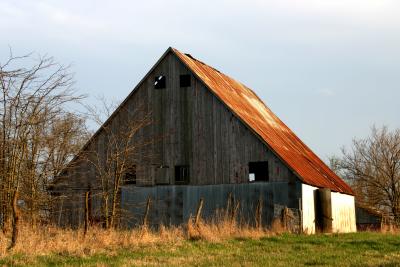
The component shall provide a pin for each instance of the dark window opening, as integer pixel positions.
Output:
(162, 175)
(258, 171)
(129, 176)
(182, 174)
(184, 80)
(160, 82)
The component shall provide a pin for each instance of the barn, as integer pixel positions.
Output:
(205, 137)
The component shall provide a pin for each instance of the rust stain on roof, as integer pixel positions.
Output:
(252, 111)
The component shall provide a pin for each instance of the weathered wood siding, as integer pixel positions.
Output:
(198, 130)
(190, 127)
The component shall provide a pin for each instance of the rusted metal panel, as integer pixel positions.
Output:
(249, 108)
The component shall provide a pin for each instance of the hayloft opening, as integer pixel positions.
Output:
(160, 82)
(129, 176)
(182, 174)
(258, 171)
(184, 80)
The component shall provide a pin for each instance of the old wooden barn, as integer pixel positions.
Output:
(201, 135)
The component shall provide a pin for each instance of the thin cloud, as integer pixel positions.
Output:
(326, 92)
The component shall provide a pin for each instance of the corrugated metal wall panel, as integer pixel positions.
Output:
(175, 204)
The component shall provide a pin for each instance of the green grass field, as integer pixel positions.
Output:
(360, 249)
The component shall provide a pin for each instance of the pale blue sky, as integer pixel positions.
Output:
(328, 69)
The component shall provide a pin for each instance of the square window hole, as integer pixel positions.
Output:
(182, 174)
(160, 82)
(258, 171)
(129, 175)
(184, 80)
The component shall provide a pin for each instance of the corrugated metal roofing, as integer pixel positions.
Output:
(252, 111)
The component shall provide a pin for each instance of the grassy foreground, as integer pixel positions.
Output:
(359, 249)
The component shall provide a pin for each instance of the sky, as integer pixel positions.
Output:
(328, 69)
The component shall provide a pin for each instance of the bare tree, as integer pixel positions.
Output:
(34, 95)
(373, 167)
(52, 147)
(114, 161)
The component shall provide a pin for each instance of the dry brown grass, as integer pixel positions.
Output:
(222, 230)
(384, 229)
(48, 239)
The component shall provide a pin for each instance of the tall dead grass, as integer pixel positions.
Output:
(49, 239)
(222, 230)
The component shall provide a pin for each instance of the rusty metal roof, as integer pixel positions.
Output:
(249, 108)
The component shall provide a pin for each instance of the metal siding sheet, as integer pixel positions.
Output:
(343, 213)
(243, 102)
(308, 208)
(174, 204)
